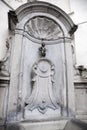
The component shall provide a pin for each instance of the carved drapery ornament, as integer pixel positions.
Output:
(42, 96)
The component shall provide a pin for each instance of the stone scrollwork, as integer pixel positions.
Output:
(3, 71)
(4, 68)
(42, 96)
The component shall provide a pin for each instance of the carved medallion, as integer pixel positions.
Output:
(43, 28)
(42, 96)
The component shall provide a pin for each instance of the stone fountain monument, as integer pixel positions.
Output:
(41, 90)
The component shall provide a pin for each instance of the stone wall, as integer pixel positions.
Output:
(77, 10)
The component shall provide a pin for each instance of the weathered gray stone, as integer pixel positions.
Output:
(14, 126)
(75, 125)
(43, 97)
(48, 125)
(41, 82)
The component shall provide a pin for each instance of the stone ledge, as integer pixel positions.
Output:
(79, 79)
(4, 81)
(49, 125)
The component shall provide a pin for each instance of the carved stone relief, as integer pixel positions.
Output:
(42, 96)
(43, 28)
(3, 71)
(4, 81)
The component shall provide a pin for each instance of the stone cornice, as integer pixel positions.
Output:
(4, 81)
(12, 18)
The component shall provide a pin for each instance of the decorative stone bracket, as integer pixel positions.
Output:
(12, 19)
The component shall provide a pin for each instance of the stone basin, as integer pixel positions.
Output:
(49, 125)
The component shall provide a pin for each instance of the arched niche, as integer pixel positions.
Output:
(41, 83)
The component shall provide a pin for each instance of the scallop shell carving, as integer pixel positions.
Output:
(43, 28)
